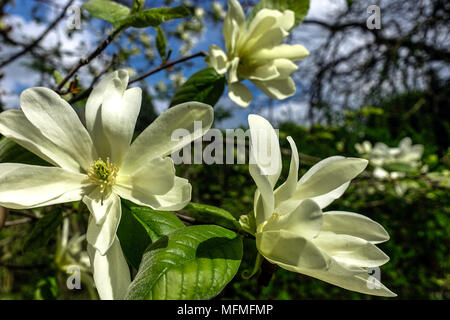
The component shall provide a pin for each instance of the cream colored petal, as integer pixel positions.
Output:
(240, 94)
(353, 224)
(290, 249)
(328, 175)
(176, 199)
(356, 279)
(350, 250)
(25, 186)
(111, 115)
(264, 199)
(305, 220)
(265, 147)
(287, 189)
(285, 67)
(99, 205)
(15, 126)
(101, 236)
(233, 73)
(156, 177)
(232, 24)
(111, 272)
(277, 89)
(283, 51)
(59, 123)
(269, 39)
(324, 200)
(264, 73)
(217, 59)
(157, 140)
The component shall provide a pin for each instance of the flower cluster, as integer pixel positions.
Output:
(254, 51)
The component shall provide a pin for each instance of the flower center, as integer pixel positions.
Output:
(103, 174)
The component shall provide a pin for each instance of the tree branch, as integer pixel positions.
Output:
(166, 65)
(38, 39)
(85, 61)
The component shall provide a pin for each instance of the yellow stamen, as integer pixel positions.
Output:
(103, 174)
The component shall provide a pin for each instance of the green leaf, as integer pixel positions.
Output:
(203, 213)
(12, 152)
(108, 10)
(161, 44)
(194, 262)
(43, 231)
(400, 166)
(156, 223)
(133, 237)
(153, 17)
(300, 8)
(203, 86)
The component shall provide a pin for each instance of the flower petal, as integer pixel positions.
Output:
(287, 189)
(290, 250)
(285, 67)
(59, 123)
(156, 177)
(102, 236)
(25, 186)
(232, 24)
(264, 73)
(111, 115)
(99, 208)
(283, 51)
(233, 74)
(327, 175)
(176, 199)
(341, 222)
(157, 140)
(111, 272)
(350, 250)
(15, 126)
(305, 220)
(356, 279)
(217, 59)
(277, 89)
(240, 94)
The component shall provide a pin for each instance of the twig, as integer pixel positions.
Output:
(84, 61)
(38, 39)
(17, 222)
(166, 65)
(86, 92)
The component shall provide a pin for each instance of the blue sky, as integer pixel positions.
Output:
(17, 78)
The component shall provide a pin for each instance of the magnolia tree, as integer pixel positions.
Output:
(138, 205)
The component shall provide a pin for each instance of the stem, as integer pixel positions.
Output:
(85, 61)
(166, 65)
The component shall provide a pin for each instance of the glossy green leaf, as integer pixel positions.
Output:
(203, 86)
(108, 10)
(300, 8)
(194, 262)
(207, 214)
(153, 17)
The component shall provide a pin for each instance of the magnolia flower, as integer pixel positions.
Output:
(291, 229)
(255, 52)
(96, 163)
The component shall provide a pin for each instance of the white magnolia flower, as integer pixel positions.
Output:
(291, 229)
(384, 159)
(96, 163)
(405, 153)
(255, 52)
